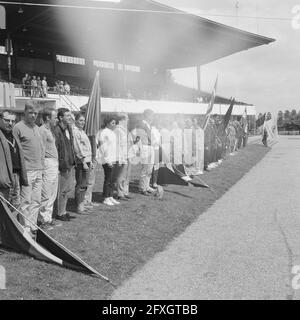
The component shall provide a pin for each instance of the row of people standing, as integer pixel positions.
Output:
(40, 164)
(62, 87)
(220, 141)
(34, 86)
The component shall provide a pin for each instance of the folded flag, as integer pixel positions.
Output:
(177, 175)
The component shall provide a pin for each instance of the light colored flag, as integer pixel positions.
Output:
(244, 121)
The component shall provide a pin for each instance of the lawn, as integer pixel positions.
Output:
(118, 240)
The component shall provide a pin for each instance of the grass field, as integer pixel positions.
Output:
(118, 240)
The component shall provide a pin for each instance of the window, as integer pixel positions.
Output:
(132, 68)
(3, 50)
(68, 59)
(103, 64)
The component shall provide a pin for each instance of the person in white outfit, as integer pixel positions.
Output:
(107, 150)
(124, 145)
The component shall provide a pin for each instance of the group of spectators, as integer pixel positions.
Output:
(35, 87)
(62, 87)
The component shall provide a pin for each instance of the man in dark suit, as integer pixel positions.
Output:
(12, 170)
(66, 159)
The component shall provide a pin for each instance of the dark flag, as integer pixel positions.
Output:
(228, 114)
(93, 113)
(210, 106)
(176, 174)
(45, 248)
(260, 121)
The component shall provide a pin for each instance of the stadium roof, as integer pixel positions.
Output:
(134, 32)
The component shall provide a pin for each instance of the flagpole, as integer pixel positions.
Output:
(58, 243)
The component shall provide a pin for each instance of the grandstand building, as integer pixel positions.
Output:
(134, 43)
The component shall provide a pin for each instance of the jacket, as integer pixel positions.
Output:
(65, 148)
(6, 169)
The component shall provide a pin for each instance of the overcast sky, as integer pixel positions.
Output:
(267, 76)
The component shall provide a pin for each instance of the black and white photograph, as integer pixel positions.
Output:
(149, 153)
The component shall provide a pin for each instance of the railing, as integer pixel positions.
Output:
(69, 103)
(289, 132)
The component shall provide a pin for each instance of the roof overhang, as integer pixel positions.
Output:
(136, 32)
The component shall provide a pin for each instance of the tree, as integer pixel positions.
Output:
(286, 116)
(293, 115)
(280, 119)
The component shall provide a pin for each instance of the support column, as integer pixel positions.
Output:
(199, 79)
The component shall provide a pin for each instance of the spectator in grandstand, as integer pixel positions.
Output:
(12, 160)
(34, 87)
(50, 169)
(65, 148)
(124, 155)
(61, 88)
(29, 135)
(107, 143)
(67, 89)
(26, 85)
(39, 87)
(56, 86)
(83, 158)
(44, 87)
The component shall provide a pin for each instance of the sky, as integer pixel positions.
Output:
(267, 76)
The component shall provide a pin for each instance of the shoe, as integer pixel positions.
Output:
(145, 193)
(69, 216)
(54, 224)
(63, 218)
(46, 226)
(128, 197)
(88, 206)
(155, 185)
(151, 190)
(114, 201)
(95, 204)
(108, 202)
(123, 198)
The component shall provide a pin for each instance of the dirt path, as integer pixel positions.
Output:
(243, 247)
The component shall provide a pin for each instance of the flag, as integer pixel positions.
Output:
(93, 113)
(177, 175)
(244, 122)
(45, 248)
(228, 115)
(259, 122)
(210, 105)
